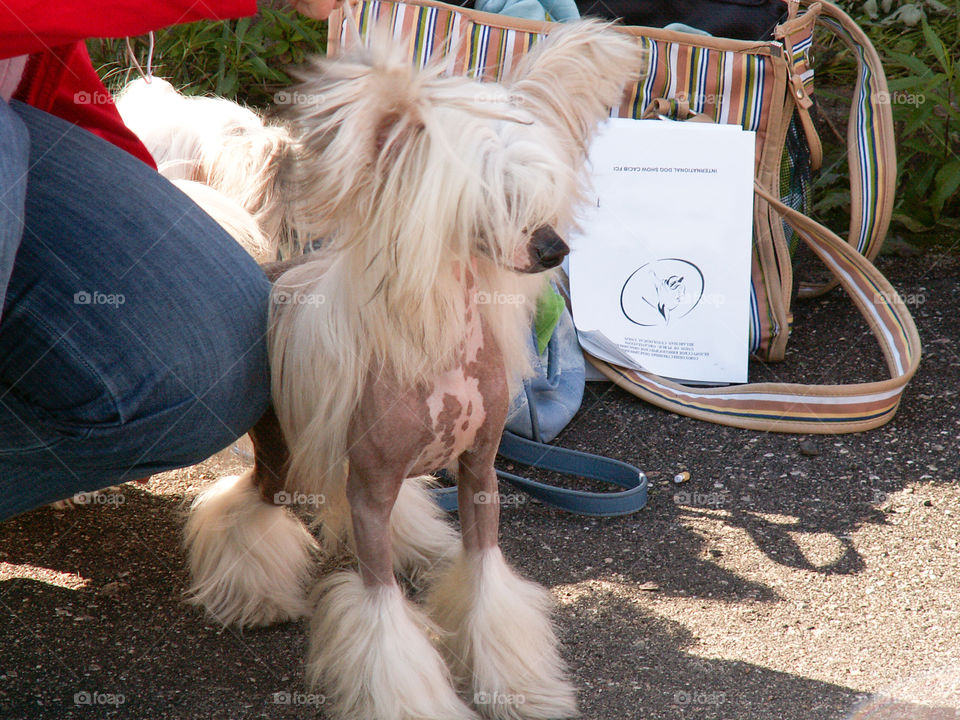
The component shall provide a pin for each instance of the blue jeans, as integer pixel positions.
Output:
(132, 334)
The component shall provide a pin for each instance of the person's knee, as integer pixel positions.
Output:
(204, 389)
(230, 390)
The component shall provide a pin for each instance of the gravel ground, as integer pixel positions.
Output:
(814, 585)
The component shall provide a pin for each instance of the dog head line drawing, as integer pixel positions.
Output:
(661, 291)
(667, 295)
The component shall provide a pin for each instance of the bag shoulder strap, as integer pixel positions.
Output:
(798, 408)
(871, 149)
(571, 462)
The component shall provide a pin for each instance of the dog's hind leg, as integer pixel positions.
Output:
(369, 646)
(250, 559)
(501, 646)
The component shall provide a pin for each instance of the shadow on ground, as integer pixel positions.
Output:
(91, 602)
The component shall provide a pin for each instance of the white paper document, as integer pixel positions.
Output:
(660, 274)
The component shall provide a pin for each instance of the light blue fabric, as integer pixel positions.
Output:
(551, 397)
(559, 10)
(681, 27)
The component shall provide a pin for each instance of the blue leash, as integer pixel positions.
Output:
(571, 462)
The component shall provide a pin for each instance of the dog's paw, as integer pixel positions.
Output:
(501, 645)
(249, 561)
(370, 650)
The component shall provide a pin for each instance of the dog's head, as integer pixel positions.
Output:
(412, 166)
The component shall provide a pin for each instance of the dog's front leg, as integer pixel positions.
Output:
(502, 648)
(369, 647)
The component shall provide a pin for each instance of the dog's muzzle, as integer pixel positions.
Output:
(547, 249)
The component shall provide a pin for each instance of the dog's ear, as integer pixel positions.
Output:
(353, 117)
(573, 77)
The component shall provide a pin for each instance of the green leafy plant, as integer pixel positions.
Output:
(244, 59)
(929, 129)
(922, 63)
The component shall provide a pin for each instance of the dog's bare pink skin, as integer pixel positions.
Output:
(396, 434)
(455, 420)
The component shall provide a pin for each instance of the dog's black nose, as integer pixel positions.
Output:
(547, 248)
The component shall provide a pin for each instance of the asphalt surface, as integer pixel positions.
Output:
(777, 583)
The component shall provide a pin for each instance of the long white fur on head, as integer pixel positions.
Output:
(576, 75)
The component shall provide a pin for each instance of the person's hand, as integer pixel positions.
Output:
(316, 9)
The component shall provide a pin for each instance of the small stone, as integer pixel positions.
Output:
(113, 588)
(716, 553)
(809, 447)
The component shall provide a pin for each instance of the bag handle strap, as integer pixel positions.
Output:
(571, 462)
(793, 407)
(871, 150)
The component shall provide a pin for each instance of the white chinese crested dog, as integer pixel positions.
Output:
(432, 193)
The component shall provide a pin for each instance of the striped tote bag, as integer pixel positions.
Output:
(766, 87)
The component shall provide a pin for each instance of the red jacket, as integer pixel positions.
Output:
(59, 77)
